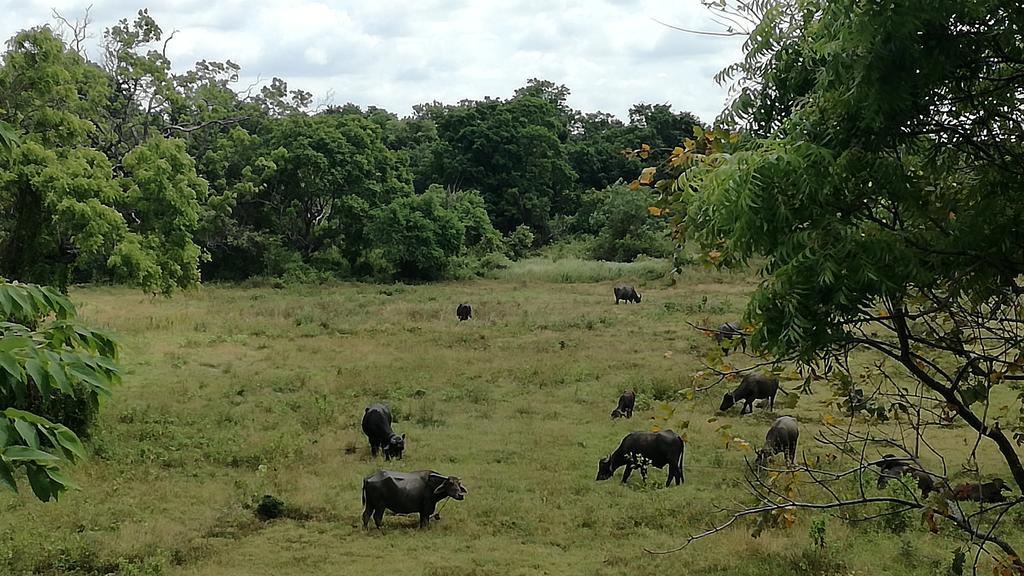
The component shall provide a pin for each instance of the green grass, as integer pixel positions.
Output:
(232, 393)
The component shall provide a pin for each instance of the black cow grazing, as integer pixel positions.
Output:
(755, 386)
(781, 438)
(893, 467)
(625, 407)
(377, 427)
(464, 312)
(407, 493)
(661, 448)
(731, 332)
(989, 492)
(627, 293)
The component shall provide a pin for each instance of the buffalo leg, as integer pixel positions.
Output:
(366, 515)
(771, 402)
(629, 413)
(378, 517)
(373, 450)
(626, 473)
(748, 407)
(424, 519)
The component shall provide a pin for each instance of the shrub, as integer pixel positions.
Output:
(519, 242)
(625, 228)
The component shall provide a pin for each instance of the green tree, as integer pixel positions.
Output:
(513, 152)
(68, 214)
(880, 180)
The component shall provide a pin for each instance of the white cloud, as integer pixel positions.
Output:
(395, 54)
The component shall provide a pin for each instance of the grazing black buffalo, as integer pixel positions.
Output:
(989, 492)
(755, 386)
(627, 293)
(464, 312)
(731, 332)
(781, 438)
(893, 467)
(660, 448)
(407, 493)
(625, 407)
(377, 427)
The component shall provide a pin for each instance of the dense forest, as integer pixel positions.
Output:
(130, 172)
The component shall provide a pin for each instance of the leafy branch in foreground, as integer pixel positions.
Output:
(44, 352)
(871, 157)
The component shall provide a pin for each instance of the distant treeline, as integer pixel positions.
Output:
(124, 171)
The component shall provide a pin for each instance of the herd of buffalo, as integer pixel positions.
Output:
(419, 492)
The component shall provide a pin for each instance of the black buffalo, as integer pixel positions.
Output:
(464, 312)
(407, 493)
(893, 467)
(627, 293)
(755, 386)
(781, 438)
(989, 492)
(377, 427)
(731, 332)
(660, 448)
(625, 407)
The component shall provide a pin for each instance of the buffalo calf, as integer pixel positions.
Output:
(625, 407)
(464, 312)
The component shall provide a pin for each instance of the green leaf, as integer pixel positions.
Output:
(26, 454)
(10, 365)
(28, 432)
(59, 376)
(10, 343)
(38, 373)
(59, 477)
(70, 442)
(41, 484)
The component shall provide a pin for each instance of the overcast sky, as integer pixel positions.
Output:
(610, 53)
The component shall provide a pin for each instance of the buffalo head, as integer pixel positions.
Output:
(604, 469)
(727, 402)
(395, 447)
(452, 488)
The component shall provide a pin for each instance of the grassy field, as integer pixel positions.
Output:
(232, 393)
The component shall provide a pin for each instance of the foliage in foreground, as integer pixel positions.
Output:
(46, 355)
(878, 173)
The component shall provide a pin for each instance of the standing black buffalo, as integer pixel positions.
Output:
(781, 438)
(753, 387)
(661, 448)
(407, 493)
(464, 312)
(625, 407)
(731, 332)
(377, 427)
(627, 293)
